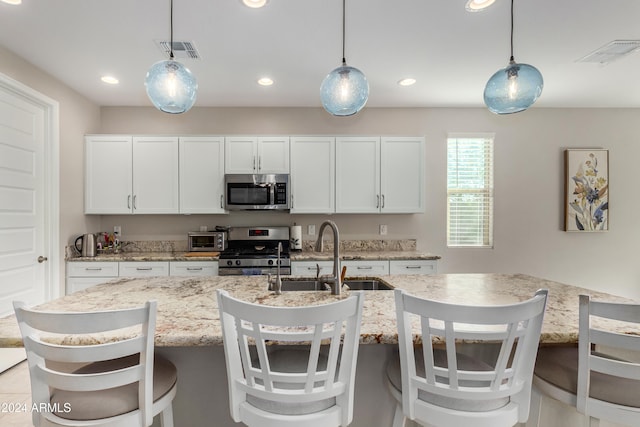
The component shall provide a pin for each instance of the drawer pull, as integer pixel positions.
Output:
(93, 269)
(365, 268)
(415, 267)
(194, 268)
(144, 268)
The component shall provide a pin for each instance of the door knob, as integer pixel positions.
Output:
(42, 259)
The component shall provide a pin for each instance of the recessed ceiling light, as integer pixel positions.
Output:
(478, 5)
(110, 80)
(408, 81)
(14, 2)
(265, 81)
(255, 4)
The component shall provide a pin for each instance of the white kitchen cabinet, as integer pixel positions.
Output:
(125, 174)
(383, 175)
(420, 266)
(313, 174)
(155, 175)
(366, 268)
(259, 155)
(201, 175)
(143, 268)
(193, 268)
(81, 275)
(108, 174)
(309, 268)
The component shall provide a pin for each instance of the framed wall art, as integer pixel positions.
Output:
(586, 190)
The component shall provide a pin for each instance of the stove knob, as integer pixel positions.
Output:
(270, 262)
(237, 262)
(229, 262)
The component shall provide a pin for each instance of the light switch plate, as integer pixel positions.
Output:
(383, 229)
(311, 230)
(117, 230)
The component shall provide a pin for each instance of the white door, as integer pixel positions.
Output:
(28, 221)
(313, 174)
(201, 175)
(358, 174)
(155, 175)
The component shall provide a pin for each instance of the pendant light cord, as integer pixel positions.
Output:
(171, 26)
(344, 61)
(511, 30)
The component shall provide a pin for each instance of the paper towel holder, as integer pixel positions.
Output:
(295, 238)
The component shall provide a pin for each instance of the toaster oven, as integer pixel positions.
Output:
(207, 241)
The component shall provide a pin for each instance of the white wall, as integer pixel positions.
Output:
(529, 180)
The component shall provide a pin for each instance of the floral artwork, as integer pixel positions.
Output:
(587, 190)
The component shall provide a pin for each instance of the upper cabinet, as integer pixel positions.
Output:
(257, 155)
(379, 175)
(126, 174)
(202, 175)
(313, 174)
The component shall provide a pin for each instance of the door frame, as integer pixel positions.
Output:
(51, 165)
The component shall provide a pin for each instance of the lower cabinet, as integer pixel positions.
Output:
(193, 268)
(417, 266)
(366, 268)
(309, 268)
(81, 275)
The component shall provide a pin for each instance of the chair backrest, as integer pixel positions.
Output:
(249, 330)
(57, 343)
(593, 336)
(515, 328)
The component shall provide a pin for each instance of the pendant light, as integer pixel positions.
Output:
(345, 90)
(513, 88)
(170, 85)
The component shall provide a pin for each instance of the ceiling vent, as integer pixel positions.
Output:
(611, 51)
(181, 50)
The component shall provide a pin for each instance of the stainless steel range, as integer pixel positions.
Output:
(254, 251)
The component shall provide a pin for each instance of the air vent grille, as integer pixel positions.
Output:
(181, 49)
(611, 51)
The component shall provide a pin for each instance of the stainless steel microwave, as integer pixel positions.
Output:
(257, 192)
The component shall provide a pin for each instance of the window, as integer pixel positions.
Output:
(470, 191)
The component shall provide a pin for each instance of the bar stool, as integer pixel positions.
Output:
(444, 387)
(285, 365)
(116, 383)
(594, 380)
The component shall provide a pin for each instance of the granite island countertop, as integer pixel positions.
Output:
(188, 315)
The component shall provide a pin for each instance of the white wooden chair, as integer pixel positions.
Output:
(286, 365)
(115, 384)
(592, 377)
(444, 387)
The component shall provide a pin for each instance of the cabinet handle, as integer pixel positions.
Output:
(365, 268)
(259, 163)
(415, 267)
(135, 200)
(378, 201)
(221, 201)
(194, 268)
(129, 201)
(383, 201)
(292, 201)
(144, 268)
(93, 269)
(254, 162)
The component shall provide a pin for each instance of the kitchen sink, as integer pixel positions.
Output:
(353, 284)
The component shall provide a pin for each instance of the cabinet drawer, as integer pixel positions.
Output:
(144, 269)
(419, 266)
(193, 268)
(92, 269)
(309, 269)
(366, 268)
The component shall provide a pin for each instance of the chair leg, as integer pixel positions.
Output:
(535, 409)
(398, 416)
(166, 417)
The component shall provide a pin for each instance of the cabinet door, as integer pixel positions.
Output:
(202, 175)
(155, 175)
(402, 175)
(193, 268)
(273, 154)
(108, 178)
(310, 269)
(358, 175)
(366, 268)
(240, 154)
(313, 174)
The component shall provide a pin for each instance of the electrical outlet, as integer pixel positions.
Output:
(117, 230)
(383, 229)
(311, 230)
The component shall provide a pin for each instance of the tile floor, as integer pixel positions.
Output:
(15, 397)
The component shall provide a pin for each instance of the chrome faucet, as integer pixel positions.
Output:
(334, 280)
(276, 285)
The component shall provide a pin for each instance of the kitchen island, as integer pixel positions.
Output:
(188, 329)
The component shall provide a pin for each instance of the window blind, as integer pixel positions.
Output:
(470, 191)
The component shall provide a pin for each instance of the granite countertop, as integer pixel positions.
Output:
(188, 314)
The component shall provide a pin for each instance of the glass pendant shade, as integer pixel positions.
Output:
(344, 91)
(171, 87)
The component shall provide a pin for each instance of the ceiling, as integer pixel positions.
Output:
(451, 52)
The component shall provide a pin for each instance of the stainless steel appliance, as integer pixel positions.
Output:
(88, 245)
(206, 241)
(256, 192)
(254, 251)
